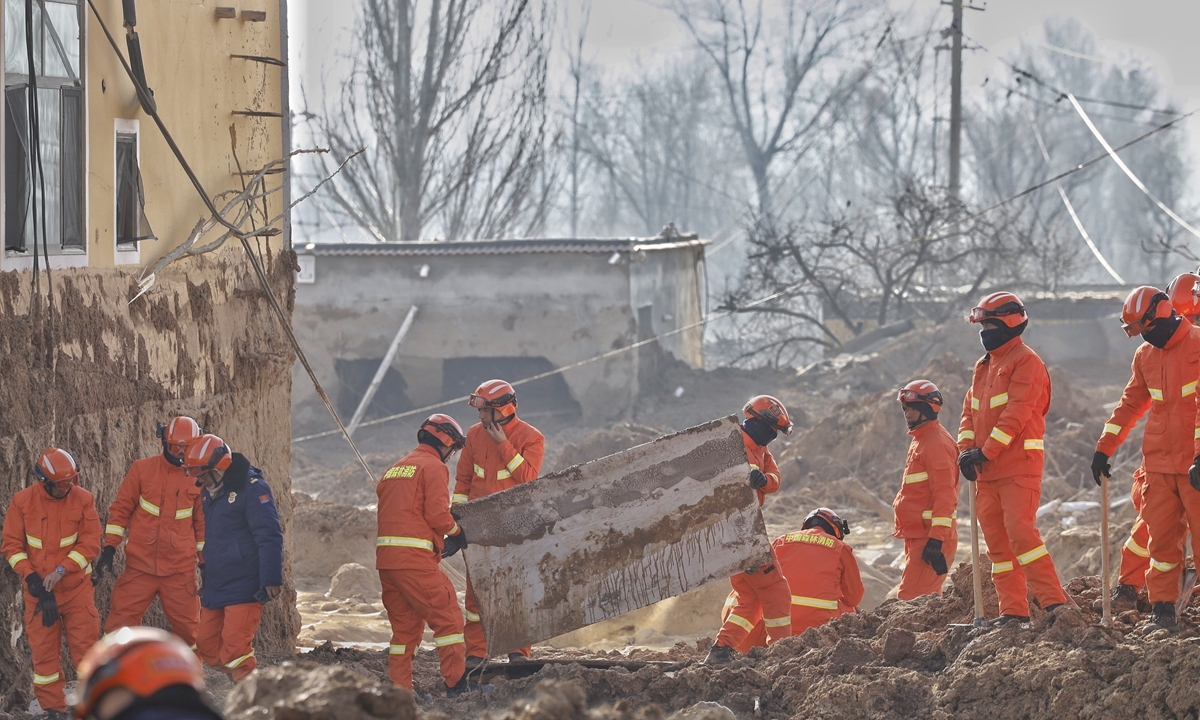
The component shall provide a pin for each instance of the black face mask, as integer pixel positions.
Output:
(926, 411)
(1161, 332)
(994, 337)
(759, 431)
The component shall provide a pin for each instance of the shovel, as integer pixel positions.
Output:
(976, 580)
(1187, 583)
(1105, 568)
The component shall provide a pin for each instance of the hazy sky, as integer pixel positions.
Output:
(621, 31)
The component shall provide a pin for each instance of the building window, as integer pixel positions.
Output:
(131, 222)
(58, 123)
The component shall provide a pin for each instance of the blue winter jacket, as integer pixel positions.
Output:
(243, 543)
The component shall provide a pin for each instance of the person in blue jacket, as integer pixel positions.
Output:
(242, 568)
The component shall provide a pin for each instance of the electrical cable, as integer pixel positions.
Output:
(790, 290)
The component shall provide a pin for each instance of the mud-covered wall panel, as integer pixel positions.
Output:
(94, 374)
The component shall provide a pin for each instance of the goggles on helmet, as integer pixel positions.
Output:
(909, 395)
(1142, 324)
(979, 314)
(479, 401)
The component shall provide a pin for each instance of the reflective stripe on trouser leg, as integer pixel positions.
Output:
(1163, 508)
(739, 618)
(1011, 588)
(1019, 511)
(421, 596)
(407, 626)
(1135, 555)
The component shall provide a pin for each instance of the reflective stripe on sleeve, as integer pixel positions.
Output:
(409, 542)
(916, 478)
(148, 506)
(778, 622)
(1155, 394)
(183, 514)
(445, 640)
(114, 530)
(814, 602)
(234, 663)
(1162, 566)
(997, 400)
(1000, 436)
(455, 530)
(458, 499)
(943, 522)
(68, 541)
(397, 649)
(519, 460)
(18, 557)
(200, 545)
(1196, 434)
(1110, 429)
(966, 435)
(974, 404)
(471, 617)
(927, 515)
(33, 542)
(1189, 389)
(740, 621)
(478, 471)
(1002, 567)
(503, 474)
(1038, 552)
(80, 560)
(1035, 444)
(45, 679)
(1136, 549)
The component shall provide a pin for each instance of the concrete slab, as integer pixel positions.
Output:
(610, 536)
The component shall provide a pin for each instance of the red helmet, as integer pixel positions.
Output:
(56, 467)
(1184, 293)
(445, 429)
(175, 436)
(495, 394)
(1002, 306)
(207, 452)
(1144, 306)
(921, 391)
(142, 660)
(770, 411)
(828, 521)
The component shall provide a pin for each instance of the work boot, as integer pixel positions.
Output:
(474, 662)
(464, 686)
(1124, 597)
(1007, 620)
(719, 655)
(516, 657)
(55, 715)
(459, 688)
(1163, 615)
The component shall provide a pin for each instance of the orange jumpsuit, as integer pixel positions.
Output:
(822, 574)
(1004, 414)
(762, 595)
(484, 468)
(926, 506)
(41, 534)
(414, 515)
(1164, 383)
(159, 508)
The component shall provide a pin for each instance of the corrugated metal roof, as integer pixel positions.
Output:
(502, 247)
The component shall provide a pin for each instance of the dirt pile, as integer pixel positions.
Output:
(601, 443)
(306, 691)
(355, 581)
(327, 536)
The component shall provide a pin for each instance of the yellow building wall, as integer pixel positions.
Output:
(197, 86)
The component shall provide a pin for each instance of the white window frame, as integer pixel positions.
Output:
(125, 254)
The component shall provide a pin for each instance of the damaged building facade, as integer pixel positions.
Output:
(88, 367)
(501, 308)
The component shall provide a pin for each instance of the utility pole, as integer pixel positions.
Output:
(956, 97)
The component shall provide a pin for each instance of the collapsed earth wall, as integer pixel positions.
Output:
(93, 373)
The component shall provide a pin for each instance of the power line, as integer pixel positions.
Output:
(790, 290)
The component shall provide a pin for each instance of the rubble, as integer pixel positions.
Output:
(355, 581)
(306, 691)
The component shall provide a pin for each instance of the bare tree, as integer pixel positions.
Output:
(449, 99)
(774, 69)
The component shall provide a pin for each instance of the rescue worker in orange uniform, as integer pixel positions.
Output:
(243, 553)
(1001, 439)
(760, 595)
(925, 507)
(821, 570)
(1166, 368)
(141, 673)
(502, 451)
(414, 517)
(1184, 294)
(51, 535)
(158, 507)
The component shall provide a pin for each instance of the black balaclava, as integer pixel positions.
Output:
(1161, 332)
(759, 431)
(926, 411)
(993, 337)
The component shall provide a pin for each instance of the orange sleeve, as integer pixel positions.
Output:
(87, 547)
(852, 584)
(771, 470)
(1025, 387)
(437, 499)
(525, 463)
(1135, 401)
(13, 543)
(463, 474)
(121, 510)
(198, 526)
(943, 484)
(966, 428)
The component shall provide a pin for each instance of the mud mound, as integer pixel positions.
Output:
(307, 691)
(355, 581)
(327, 536)
(343, 481)
(602, 443)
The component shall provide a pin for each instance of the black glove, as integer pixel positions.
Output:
(1194, 474)
(37, 588)
(48, 607)
(970, 462)
(105, 562)
(1100, 467)
(454, 543)
(932, 554)
(757, 479)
